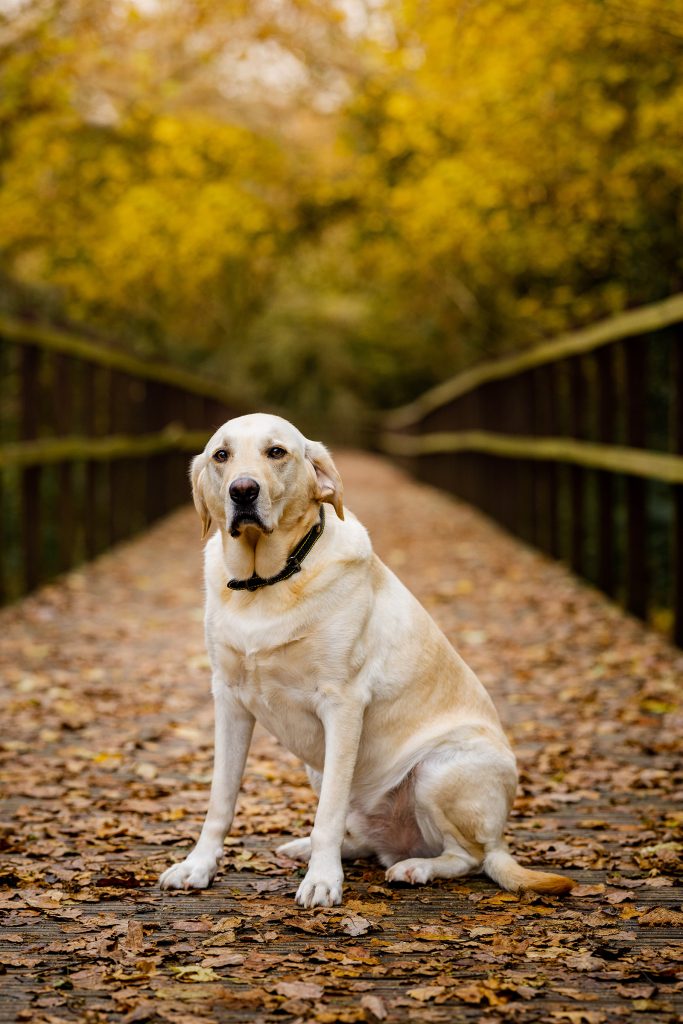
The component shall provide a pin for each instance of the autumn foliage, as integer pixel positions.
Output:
(338, 203)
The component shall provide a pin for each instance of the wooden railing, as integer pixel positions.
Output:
(94, 446)
(577, 447)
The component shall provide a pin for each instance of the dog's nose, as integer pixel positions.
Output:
(244, 490)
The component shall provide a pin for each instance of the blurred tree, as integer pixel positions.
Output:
(336, 204)
(523, 170)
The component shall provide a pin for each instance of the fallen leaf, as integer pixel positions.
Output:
(354, 924)
(376, 1006)
(195, 973)
(134, 938)
(425, 993)
(299, 989)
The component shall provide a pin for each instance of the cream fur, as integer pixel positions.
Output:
(350, 673)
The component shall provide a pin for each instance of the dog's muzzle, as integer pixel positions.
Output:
(243, 492)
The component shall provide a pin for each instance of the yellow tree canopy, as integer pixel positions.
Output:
(337, 204)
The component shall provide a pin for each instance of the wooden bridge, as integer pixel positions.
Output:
(107, 748)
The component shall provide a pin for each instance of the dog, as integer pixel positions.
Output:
(310, 634)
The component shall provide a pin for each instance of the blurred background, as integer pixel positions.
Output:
(328, 207)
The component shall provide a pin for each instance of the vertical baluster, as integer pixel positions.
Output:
(532, 467)
(551, 428)
(3, 546)
(576, 473)
(117, 469)
(63, 392)
(31, 517)
(90, 488)
(606, 393)
(4, 419)
(677, 432)
(636, 494)
(154, 465)
(136, 427)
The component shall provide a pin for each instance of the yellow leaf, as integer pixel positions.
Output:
(195, 973)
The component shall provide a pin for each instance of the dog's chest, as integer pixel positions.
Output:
(257, 667)
(281, 689)
(283, 669)
(276, 675)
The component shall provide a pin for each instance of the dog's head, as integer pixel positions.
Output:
(259, 471)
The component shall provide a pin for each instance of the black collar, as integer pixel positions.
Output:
(292, 565)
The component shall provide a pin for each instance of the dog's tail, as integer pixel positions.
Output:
(502, 867)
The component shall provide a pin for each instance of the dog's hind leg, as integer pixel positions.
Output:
(353, 844)
(300, 849)
(454, 862)
(463, 794)
(297, 849)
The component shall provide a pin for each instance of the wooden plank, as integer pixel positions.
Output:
(614, 458)
(644, 320)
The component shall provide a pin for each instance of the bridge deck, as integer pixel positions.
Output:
(106, 759)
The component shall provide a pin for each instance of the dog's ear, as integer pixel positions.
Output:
(327, 480)
(197, 476)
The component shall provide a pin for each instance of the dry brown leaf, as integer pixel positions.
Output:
(426, 992)
(299, 989)
(376, 1006)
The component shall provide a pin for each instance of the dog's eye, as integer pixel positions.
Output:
(276, 453)
(220, 456)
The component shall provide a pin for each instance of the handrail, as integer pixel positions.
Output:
(588, 464)
(54, 450)
(615, 458)
(643, 320)
(72, 345)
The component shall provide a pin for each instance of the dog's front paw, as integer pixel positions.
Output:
(320, 891)
(195, 872)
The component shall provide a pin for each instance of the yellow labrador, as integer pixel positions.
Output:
(310, 634)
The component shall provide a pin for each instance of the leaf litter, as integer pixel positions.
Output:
(107, 760)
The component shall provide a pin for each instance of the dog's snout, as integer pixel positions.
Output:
(244, 490)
